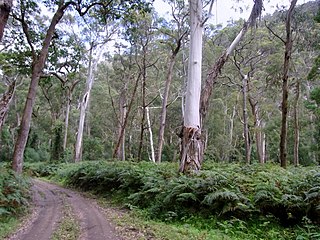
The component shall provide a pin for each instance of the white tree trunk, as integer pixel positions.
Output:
(84, 104)
(192, 146)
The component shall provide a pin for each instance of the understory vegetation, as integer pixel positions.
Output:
(14, 198)
(248, 202)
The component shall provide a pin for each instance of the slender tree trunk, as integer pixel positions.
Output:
(5, 8)
(142, 123)
(121, 135)
(192, 146)
(296, 125)
(153, 158)
(123, 110)
(245, 119)
(5, 101)
(217, 67)
(37, 68)
(84, 104)
(163, 114)
(66, 122)
(285, 88)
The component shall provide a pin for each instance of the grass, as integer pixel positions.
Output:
(221, 202)
(68, 228)
(9, 225)
(135, 224)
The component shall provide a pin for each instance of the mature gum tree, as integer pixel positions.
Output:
(192, 148)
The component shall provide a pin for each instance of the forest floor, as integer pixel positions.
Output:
(60, 213)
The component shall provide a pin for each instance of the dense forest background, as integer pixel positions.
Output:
(128, 60)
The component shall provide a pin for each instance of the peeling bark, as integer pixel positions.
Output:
(191, 144)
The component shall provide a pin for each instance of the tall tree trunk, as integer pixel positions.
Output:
(191, 144)
(67, 113)
(285, 88)
(218, 65)
(5, 8)
(153, 158)
(37, 68)
(143, 109)
(296, 125)
(84, 103)
(121, 134)
(163, 114)
(259, 135)
(123, 112)
(5, 101)
(66, 122)
(245, 119)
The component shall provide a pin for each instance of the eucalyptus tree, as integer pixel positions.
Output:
(175, 35)
(288, 43)
(39, 52)
(215, 70)
(192, 146)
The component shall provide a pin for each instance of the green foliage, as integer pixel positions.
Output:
(225, 191)
(14, 193)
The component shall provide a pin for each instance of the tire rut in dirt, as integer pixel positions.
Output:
(93, 222)
(47, 214)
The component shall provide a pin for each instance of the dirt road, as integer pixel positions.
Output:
(48, 213)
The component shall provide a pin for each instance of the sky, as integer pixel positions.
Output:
(225, 10)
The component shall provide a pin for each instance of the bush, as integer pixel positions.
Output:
(225, 191)
(14, 193)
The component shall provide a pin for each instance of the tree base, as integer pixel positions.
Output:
(191, 150)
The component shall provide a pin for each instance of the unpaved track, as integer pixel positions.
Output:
(49, 200)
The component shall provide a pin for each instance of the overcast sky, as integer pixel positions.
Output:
(225, 10)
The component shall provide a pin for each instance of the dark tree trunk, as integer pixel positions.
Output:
(296, 126)
(37, 68)
(285, 88)
(123, 127)
(245, 120)
(5, 8)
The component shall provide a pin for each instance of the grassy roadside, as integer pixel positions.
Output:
(9, 225)
(68, 228)
(153, 202)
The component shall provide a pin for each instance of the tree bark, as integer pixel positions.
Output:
(191, 144)
(5, 8)
(163, 114)
(258, 126)
(215, 70)
(5, 101)
(153, 158)
(285, 88)
(121, 134)
(84, 104)
(37, 68)
(123, 112)
(296, 126)
(245, 119)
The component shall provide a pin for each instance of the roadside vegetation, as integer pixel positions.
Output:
(14, 199)
(222, 201)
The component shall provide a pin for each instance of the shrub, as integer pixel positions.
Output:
(14, 193)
